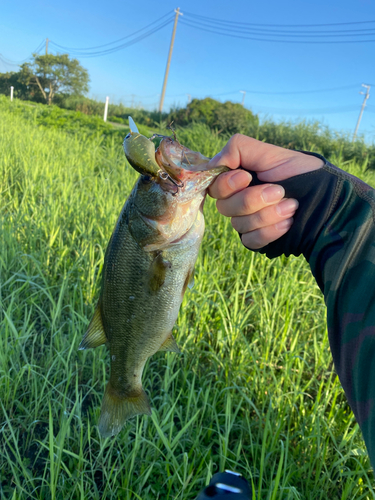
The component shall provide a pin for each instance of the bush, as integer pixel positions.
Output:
(228, 117)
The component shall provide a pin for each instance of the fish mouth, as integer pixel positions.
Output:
(179, 161)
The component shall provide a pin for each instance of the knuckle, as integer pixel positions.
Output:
(259, 220)
(249, 240)
(239, 139)
(221, 207)
(235, 224)
(236, 137)
(247, 203)
(256, 239)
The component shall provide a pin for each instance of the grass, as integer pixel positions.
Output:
(254, 390)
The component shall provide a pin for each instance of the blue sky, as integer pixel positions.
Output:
(210, 64)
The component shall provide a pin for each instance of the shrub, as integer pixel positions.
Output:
(227, 117)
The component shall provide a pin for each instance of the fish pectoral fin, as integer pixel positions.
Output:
(170, 345)
(94, 335)
(158, 272)
(116, 410)
(189, 281)
(191, 278)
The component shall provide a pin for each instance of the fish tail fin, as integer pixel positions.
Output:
(116, 410)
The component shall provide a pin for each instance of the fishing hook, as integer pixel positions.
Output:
(165, 176)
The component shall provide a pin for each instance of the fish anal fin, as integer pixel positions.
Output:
(170, 345)
(95, 335)
(117, 409)
(158, 272)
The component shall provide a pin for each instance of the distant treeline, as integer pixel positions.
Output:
(229, 118)
(223, 119)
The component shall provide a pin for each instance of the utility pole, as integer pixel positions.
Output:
(106, 108)
(243, 96)
(11, 93)
(367, 95)
(178, 13)
(189, 98)
(47, 45)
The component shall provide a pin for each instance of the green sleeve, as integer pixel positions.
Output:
(339, 211)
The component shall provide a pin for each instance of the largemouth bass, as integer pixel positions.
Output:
(148, 265)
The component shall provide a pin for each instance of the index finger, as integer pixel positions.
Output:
(229, 183)
(273, 163)
(248, 153)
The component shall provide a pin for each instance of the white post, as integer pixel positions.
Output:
(243, 96)
(11, 93)
(106, 108)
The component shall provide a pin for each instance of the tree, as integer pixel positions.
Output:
(228, 117)
(45, 78)
(58, 74)
(19, 81)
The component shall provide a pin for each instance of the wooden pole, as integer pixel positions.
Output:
(367, 95)
(169, 59)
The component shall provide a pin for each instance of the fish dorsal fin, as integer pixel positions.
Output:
(94, 335)
(170, 345)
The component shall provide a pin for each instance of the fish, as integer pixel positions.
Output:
(149, 263)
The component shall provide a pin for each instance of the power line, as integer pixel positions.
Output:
(123, 46)
(278, 25)
(257, 30)
(318, 111)
(10, 62)
(288, 33)
(291, 92)
(211, 29)
(115, 41)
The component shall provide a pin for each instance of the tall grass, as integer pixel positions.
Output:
(254, 390)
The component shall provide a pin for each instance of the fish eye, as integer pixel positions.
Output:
(127, 137)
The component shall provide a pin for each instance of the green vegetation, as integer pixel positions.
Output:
(254, 390)
(223, 119)
(228, 117)
(46, 77)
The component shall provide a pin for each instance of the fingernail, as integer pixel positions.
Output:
(284, 224)
(272, 193)
(287, 207)
(239, 180)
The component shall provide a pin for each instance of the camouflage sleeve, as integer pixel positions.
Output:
(334, 229)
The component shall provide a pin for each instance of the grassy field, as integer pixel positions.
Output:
(254, 391)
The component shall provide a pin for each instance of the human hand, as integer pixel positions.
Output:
(260, 213)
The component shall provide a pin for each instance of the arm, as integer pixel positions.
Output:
(334, 229)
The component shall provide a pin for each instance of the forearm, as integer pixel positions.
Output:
(334, 229)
